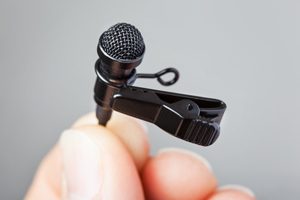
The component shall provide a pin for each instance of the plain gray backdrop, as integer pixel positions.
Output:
(243, 52)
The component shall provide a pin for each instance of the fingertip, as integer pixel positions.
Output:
(82, 164)
(117, 116)
(177, 174)
(188, 153)
(238, 188)
(234, 192)
(133, 133)
(47, 180)
(89, 161)
(87, 119)
(96, 163)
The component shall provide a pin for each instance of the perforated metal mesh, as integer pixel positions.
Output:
(122, 41)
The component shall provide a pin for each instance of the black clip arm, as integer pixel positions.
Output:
(191, 118)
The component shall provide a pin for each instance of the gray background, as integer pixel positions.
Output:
(243, 52)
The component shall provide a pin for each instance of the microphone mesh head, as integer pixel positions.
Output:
(123, 41)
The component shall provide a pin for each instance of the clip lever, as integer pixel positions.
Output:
(194, 119)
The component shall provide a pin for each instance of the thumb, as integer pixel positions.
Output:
(96, 165)
(82, 171)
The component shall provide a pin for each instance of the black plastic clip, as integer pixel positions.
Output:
(191, 118)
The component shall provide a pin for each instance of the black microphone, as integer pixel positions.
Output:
(121, 49)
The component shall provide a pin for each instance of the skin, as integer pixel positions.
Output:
(118, 155)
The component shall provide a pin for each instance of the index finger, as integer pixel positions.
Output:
(131, 131)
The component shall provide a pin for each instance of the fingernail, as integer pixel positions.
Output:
(202, 159)
(239, 188)
(82, 169)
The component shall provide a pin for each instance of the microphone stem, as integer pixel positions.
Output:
(103, 115)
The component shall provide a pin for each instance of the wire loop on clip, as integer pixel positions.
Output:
(159, 75)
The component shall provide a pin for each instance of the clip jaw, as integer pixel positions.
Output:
(191, 118)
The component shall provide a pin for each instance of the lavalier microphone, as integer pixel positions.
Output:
(121, 49)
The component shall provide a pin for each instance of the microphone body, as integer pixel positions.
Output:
(116, 69)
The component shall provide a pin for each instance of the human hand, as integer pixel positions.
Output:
(92, 162)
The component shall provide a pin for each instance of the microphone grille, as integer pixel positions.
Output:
(123, 41)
